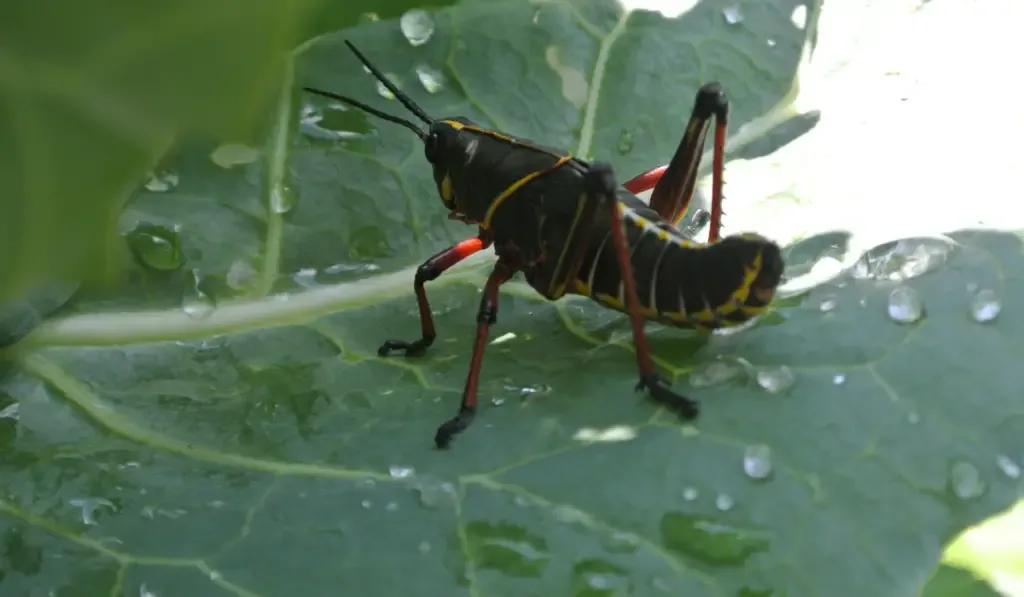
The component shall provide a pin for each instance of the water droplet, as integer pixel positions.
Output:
(615, 433)
(497, 401)
(903, 259)
(776, 380)
(145, 592)
(157, 247)
(10, 412)
(507, 548)
(214, 575)
(985, 306)
(1010, 468)
(367, 504)
(689, 430)
(597, 578)
(162, 181)
(240, 275)
(622, 542)
(839, 379)
(757, 461)
(424, 547)
(528, 392)
(88, 506)
(690, 494)
(234, 154)
(827, 304)
(571, 515)
(391, 506)
(709, 541)
(417, 26)
(625, 142)
(369, 17)
(718, 371)
(966, 481)
(384, 91)
(196, 302)
(660, 584)
(732, 14)
(282, 199)
(431, 78)
(723, 502)
(401, 472)
(905, 305)
(436, 494)
(913, 418)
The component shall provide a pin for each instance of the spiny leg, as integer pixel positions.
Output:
(486, 316)
(430, 270)
(675, 182)
(600, 184)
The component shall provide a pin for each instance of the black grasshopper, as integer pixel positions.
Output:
(570, 228)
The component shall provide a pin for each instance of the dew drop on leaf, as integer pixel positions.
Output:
(196, 302)
(391, 506)
(436, 494)
(776, 380)
(723, 502)
(10, 412)
(156, 247)
(905, 305)
(839, 379)
(145, 592)
(757, 461)
(234, 154)
(240, 275)
(827, 304)
(622, 542)
(431, 78)
(367, 504)
(902, 259)
(732, 14)
(625, 142)
(599, 578)
(913, 418)
(690, 494)
(401, 472)
(985, 306)
(710, 541)
(282, 200)
(716, 372)
(424, 547)
(417, 26)
(384, 91)
(88, 506)
(966, 481)
(369, 17)
(1010, 468)
(497, 401)
(162, 181)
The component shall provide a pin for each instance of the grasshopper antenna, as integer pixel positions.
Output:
(405, 99)
(384, 115)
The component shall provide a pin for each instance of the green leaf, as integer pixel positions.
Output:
(93, 95)
(220, 423)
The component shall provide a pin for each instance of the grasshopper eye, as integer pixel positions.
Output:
(433, 148)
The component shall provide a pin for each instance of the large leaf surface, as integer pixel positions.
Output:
(261, 447)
